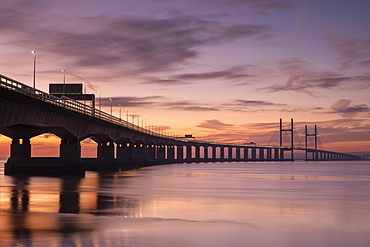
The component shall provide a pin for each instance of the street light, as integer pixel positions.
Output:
(99, 92)
(34, 69)
(111, 106)
(84, 83)
(119, 112)
(64, 81)
(126, 114)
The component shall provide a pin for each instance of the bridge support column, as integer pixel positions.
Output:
(269, 154)
(70, 156)
(189, 152)
(214, 154)
(161, 154)
(150, 154)
(254, 154)
(246, 155)
(20, 149)
(70, 149)
(124, 152)
(20, 152)
(229, 153)
(205, 154)
(197, 153)
(106, 152)
(138, 154)
(222, 154)
(180, 153)
(237, 158)
(261, 154)
(281, 154)
(170, 154)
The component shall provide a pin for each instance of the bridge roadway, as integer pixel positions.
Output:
(27, 112)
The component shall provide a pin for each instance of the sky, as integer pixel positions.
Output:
(217, 69)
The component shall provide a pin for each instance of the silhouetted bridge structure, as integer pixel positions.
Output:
(27, 112)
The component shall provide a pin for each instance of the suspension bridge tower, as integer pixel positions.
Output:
(291, 148)
(314, 152)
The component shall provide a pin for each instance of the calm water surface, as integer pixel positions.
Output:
(215, 204)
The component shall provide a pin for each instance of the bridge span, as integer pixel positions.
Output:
(27, 112)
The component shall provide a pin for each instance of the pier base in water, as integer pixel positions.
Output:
(44, 167)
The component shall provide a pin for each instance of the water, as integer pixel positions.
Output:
(216, 204)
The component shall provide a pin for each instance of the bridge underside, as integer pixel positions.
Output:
(125, 154)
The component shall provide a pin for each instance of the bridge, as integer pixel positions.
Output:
(27, 112)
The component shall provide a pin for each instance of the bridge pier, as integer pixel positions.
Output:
(106, 152)
(170, 154)
(189, 151)
(205, 154)
(20, 148)
(197, 154)
(161, 154)
(269, 154)
(20, 153)
(214, 153)
(180, 154)
(222, 154)
(254, 154)
(261, 154)
(138, 154)
(237, 155)
(124, 154)
(246, 155)
(150, 154)
(21, 162)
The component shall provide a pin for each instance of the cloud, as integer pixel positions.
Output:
(256, 103)
(158, 102)
(308, 83)
(352, 51)
(194, 108)
(343, 107)
(131, 101)
(188, 106)
(165, 82)
(130, 45)
(232, 74)
(262, 7)
(214, 124)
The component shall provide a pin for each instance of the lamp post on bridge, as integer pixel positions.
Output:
(84, 83)
(126, 114)
(64, 81)
(99, 92)
(119, 112)
(34, 69)
(111, 106)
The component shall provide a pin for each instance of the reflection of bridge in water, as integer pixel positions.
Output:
(69, 206)
(27, 112)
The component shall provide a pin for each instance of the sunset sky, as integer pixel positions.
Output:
(220, 69)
